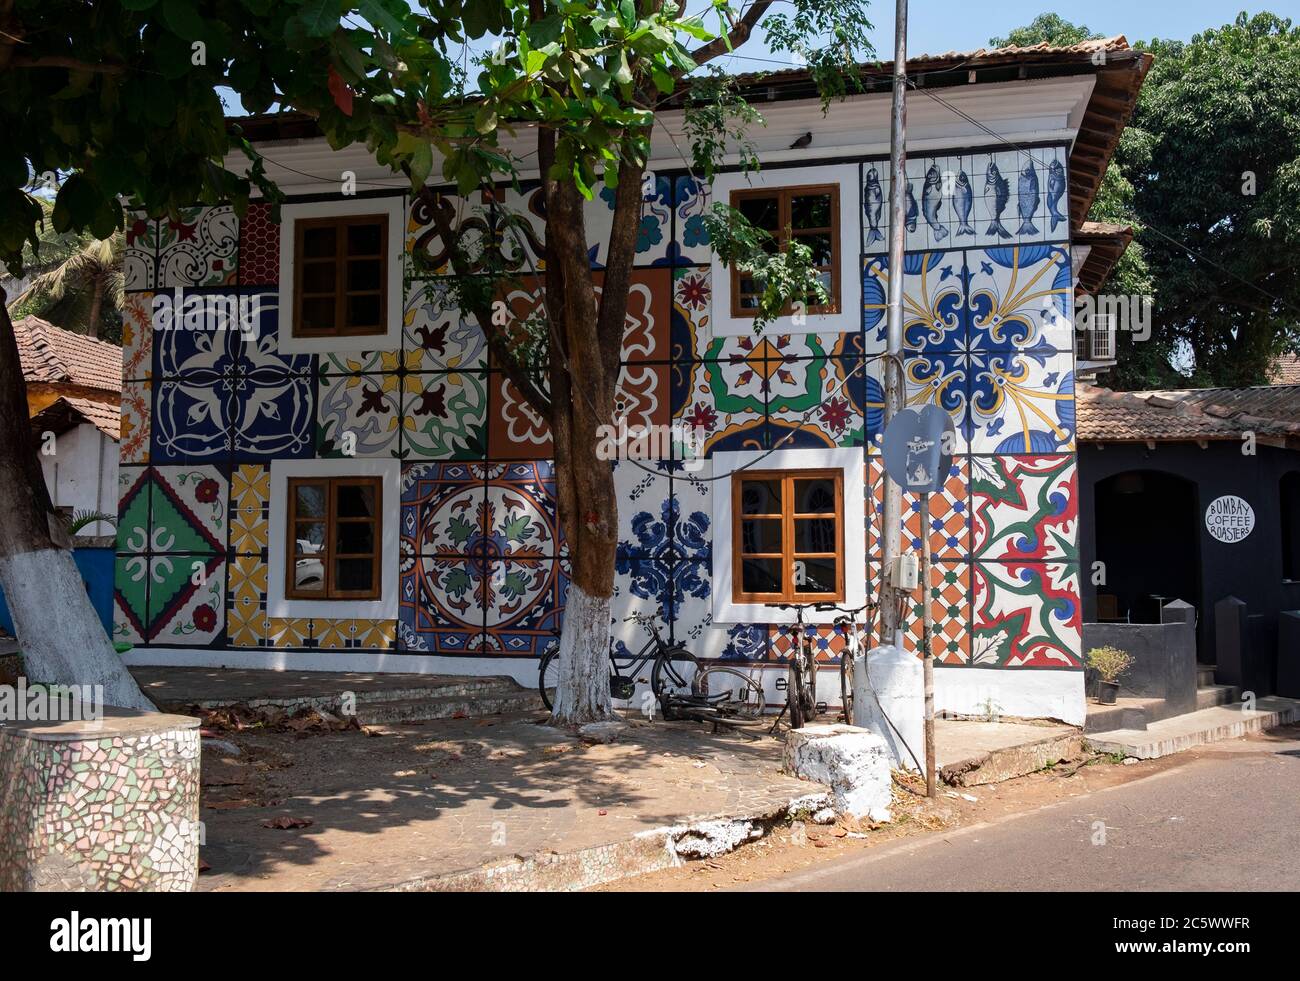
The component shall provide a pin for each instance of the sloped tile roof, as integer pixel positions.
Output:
(1271, 413)
(56, 356)
(67, 411)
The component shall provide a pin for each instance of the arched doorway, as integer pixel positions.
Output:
(1289, 498)
(1148, 538)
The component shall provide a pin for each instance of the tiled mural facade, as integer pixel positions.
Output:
(482, 566)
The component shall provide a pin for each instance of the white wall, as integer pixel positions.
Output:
(81, 474)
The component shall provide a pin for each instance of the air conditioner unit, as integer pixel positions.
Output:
(1096, 342)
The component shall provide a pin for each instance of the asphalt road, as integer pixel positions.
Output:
(1228, 820)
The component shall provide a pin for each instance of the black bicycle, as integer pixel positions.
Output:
(673, 668)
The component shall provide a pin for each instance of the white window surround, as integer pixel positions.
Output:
(395, 208)
(850, 461)
(384, 608)
(850, 247)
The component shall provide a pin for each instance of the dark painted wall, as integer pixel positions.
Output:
(1251, 570)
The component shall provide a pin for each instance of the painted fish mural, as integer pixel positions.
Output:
(1055, 190)
(932, 201)
(1027, 199)
(963, 198)
(873, 202)
(911, 209)
(995, 182)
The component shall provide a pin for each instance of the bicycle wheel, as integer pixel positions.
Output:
(809, 683)
(731, 691)
(846, 686)
(548, 673)
(794, 696)
(674, 671)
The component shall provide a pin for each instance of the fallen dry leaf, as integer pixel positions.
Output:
(285, 823)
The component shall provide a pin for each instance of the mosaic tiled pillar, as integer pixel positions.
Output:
(109, 806)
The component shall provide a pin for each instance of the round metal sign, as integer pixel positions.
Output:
(1229, 518)
(918, 447)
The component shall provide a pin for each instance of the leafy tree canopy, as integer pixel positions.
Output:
(1207, 173)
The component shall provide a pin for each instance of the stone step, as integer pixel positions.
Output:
(1204, 675)
(1127, 713)
(462, 706)
(1208, 696)
(1210, 725)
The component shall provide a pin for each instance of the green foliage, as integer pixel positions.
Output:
(1223, 111)
(1217, 117)
(1109, 662)
(787, 277)
(1050, 28)
(827, 35)
(82, 519)
(121, 96)
(716, 121)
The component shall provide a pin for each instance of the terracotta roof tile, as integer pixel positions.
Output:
(1286, 370)
(67, 411)
(54, 355)
(1192, 414)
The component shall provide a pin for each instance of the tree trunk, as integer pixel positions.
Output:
(59, 632)
(582, 401)
(96, 306)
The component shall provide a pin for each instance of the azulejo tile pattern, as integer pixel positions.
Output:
(1024, 508)
(223, 393)
(259, 247)
(1026, 614)
(171, 554)
(483, 569)
(976, 198)
(483, 563)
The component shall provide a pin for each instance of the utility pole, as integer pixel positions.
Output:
(891, 599)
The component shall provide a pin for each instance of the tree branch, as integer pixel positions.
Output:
(612, 318)
(497, 340)
(72, 64)
(738, 35)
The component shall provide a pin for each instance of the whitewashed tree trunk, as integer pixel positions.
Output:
(582, 689)
(59, 632)
(62, 639)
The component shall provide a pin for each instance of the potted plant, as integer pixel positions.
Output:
(1109, 663)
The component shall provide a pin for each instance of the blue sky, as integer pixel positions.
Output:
(936, 26)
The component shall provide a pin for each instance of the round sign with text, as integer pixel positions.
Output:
(1229, 518)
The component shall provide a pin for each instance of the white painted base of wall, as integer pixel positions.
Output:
(1030, 693)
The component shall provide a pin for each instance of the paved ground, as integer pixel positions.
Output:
(451, 795)
(1229, 819)
(187, 686)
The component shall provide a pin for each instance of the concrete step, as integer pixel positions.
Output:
(1127, 713)
(463, 706)
(1210, 725)
(1204, 675)
(1208, 696)
(486, 685)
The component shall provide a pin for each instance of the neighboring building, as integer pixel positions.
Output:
(444, 507)
(1286, 370)
(1191, 495)
(74, 386)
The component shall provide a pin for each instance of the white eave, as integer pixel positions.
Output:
(1020, 112)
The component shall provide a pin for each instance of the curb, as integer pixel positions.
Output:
(646, 851)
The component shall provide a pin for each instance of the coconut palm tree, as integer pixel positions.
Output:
(78, 281)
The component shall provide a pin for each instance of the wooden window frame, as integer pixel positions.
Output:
(784, 232)
(341, 293)
(331, 522)
(788, 555)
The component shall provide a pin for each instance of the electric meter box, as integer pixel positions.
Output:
(906, 572)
